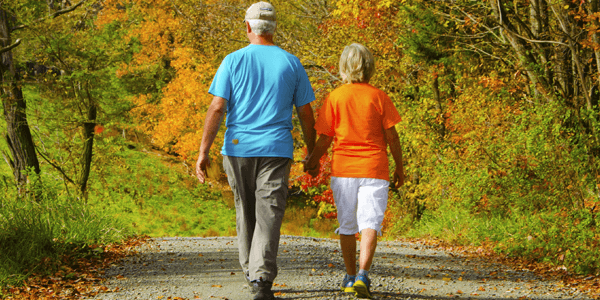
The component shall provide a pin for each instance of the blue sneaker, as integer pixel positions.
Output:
(361, 286)
(347, 284)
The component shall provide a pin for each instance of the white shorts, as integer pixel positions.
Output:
(360, 202)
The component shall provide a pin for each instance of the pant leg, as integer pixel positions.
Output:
(271, 195)
(240, 174)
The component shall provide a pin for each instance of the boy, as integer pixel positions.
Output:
(361, 119)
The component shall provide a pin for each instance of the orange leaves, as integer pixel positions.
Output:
(175, 123)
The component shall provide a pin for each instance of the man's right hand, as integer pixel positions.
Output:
(201, 166)
(312, 169)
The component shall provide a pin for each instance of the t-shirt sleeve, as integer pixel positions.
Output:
(326, 119)
(390, 115)
(304, 93)
(221, 84)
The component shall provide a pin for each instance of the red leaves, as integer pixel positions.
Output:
(98, 129)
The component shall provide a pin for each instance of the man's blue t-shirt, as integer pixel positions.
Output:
(261, 84)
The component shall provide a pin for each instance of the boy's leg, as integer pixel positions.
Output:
(372, 202)
(368, 244)
(345, 192)
(348, 245)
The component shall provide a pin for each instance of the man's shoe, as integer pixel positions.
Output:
(347, 284)
(263, 290)
(361, 286)
(253, 289)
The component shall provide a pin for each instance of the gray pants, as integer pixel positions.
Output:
(260, 189)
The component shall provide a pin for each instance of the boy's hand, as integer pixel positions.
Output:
(398, 179)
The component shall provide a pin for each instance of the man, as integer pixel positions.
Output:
(258, 86)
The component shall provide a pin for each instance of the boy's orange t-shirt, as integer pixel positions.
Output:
(357, 115)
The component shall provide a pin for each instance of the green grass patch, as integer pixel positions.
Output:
(33, 233)
(559, 237)
(152, 195)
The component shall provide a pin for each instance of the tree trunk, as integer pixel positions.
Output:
(20, 142)
(522, 50)
(441, 128)
(88, 144)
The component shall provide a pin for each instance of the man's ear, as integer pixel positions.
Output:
(248, 28)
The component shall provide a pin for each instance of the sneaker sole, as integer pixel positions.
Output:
(362, 291)
(348, 290)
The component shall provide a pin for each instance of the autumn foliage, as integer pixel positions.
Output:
(499, 103)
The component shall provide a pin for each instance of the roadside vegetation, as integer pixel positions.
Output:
(104, 102)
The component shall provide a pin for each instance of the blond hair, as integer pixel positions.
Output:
(357, 64)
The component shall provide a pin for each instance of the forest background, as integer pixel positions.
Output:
(104, 102)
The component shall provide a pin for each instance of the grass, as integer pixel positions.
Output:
(302, 219)
(564, 239)
(32, 233)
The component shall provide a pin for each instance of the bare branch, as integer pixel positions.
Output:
(9, 161)
(67, 10)
(181, 13)
(538, 41)
(478, 50)
(490, 30)
(323, 69)
(55, 166)
(8, 48)
(18, 28)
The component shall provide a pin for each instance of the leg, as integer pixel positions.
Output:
(368, 244)
(240, 176)
(345, 192)
(271, 195)
(372, 202)
(348, 245)
(345, 195)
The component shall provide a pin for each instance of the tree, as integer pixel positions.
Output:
(18, 137)
(22, 158)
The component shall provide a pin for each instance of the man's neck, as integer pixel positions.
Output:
(266, 40)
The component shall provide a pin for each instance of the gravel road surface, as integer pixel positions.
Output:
(311, 268)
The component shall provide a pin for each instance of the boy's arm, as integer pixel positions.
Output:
(311, 164)
(393, 140)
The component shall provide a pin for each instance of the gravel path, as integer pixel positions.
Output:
(310, 268)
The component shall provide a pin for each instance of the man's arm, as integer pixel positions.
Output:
(391, 135)
(311, 164)
(214, 118)
(307, 122)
